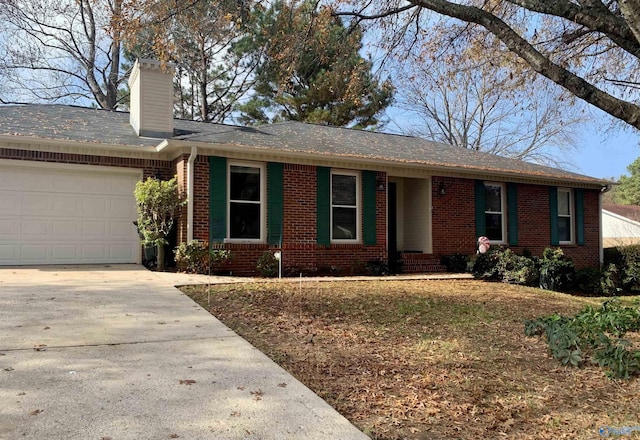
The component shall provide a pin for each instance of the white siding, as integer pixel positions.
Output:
(151, 98)
(618, 230)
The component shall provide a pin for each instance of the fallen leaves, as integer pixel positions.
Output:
(35, 412)
(187, 381)
(416, 360)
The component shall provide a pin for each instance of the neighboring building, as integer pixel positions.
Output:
(620, 225)
(328, 198)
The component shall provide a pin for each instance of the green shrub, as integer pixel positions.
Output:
(594, 334)
(377, 268)
(485, 266)
(630, 267)
(197, 257)
(456, 263)
(267, 265)
(516, 269)
(556, 271)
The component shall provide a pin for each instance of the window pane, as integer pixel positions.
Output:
(564, 228)
(244, 220)
(494, 226)
(343, 189)
(563, 203)
(245, 183)
(344, 224)
(492, 198)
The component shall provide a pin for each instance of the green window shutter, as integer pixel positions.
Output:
(369, 207)
(580, 216)
(512, 213)
(275, 203)
(481, 221)
(217, 199)
(323, 205)
(553, 214)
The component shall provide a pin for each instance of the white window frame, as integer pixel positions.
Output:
(358, 206)
(262, 202)
(503, 210)
(571, 215)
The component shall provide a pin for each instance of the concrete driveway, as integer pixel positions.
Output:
(98, 352)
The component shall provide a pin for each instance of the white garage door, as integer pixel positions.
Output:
(62, 214)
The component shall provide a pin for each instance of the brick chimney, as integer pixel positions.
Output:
(151, 100)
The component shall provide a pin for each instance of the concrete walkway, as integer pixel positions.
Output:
(98, 352)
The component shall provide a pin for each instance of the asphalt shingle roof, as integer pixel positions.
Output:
(97, 126)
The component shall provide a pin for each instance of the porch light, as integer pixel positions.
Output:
(441, 188)
(380, 185)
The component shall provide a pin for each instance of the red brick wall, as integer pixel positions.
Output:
(454, 228)
(150, 168)
(453, 216)
(300, 251)
(201, 199)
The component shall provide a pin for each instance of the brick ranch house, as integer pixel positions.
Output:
(327, 198)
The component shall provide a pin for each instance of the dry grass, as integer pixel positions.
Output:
(428, 359)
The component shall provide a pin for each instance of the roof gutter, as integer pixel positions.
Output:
(172, 147)
(190, 191)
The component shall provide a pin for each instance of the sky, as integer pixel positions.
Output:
(606, 154)
(603, 150)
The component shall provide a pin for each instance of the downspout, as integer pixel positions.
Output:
(604, 189)
(190, 191)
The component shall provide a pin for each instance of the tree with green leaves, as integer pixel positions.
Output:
(158, 202)
(311, 70)
(627, 192)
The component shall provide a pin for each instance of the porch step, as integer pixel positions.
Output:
(421, 263)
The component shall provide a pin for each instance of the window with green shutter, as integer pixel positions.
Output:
(323, 199)
(275, 203)
(217, 199)
(369, 208)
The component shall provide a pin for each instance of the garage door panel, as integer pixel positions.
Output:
(96, 185)
(68, 228)
(123, 251)
(8, 253)
(36, 204)
(94, 229)
(94, 252)
(120, 230)
(9, 228)
(121, 207)
(30, 229)
(34, 253)
(11, 202)
(64, 252)
(97, 206)
(65, 205)
(36, 182)
(54, 215)
(10, 180)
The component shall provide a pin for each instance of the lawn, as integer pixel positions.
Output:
(428, 359)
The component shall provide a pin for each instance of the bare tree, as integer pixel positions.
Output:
(214, 72)
(484, 108)
(63, 51)
(591, 48)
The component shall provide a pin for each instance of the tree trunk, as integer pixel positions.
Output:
(160, 248)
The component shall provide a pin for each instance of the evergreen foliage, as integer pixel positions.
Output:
(311, 71)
